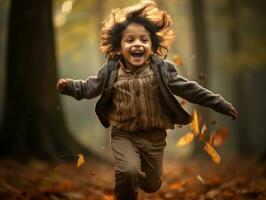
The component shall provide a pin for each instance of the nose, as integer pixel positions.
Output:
(137, 44)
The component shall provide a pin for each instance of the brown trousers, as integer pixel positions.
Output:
(138, 158)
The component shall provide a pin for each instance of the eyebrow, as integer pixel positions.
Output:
(130, 35)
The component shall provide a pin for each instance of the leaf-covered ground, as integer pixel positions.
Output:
(197, 179)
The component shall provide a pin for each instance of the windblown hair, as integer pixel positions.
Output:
(145, 13)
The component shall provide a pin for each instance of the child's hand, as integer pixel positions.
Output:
(61, 85)
(233, 113)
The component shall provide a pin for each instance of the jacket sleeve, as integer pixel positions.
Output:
(194, 93)
(90, 88)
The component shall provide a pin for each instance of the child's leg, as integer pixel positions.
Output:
(151, 155)
(128, 166)
(152, 167)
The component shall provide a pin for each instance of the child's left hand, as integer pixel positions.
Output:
(233, 113)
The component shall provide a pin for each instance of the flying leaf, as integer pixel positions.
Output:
(219, 137)
(202, 76)
(177, 60)
(195, 123)
(212, 152)
(186, 139)
(81, 160)
(202, 132)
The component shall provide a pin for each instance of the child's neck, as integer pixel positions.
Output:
(134, 68)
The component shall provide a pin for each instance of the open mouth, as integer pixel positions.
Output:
(137, 53)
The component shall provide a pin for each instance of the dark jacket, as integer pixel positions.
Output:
(170, 84)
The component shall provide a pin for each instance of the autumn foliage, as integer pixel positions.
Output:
(217, 138)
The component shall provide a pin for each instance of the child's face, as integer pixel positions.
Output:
(136, 46)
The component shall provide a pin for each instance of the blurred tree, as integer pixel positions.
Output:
(200, 40)
(243, 144)
(249, 80)
(33, 124)
(201, 53)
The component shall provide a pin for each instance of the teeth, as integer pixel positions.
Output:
(136, 51)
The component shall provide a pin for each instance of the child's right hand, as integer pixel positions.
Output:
(61, 85)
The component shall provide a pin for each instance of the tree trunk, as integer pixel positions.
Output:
(33, 124)
(243, 145)
(201, 52)
(249, 85)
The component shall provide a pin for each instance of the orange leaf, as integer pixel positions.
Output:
(219, 137)
(212, 152)
(203, 132)
(177, 60)
(186, 139)
(108, 197)
(195, 123)
(81, 160)
(177, 185)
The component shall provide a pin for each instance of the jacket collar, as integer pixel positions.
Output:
(156, 60)
(114, 64)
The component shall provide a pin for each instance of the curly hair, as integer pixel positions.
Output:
(146, 13)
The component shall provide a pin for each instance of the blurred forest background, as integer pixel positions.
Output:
(220, 44)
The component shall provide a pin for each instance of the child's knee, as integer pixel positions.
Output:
(129, 175)
(151, 187)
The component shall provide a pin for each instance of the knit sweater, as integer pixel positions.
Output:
(136, 104)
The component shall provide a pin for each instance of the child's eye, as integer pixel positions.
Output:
(129, 40)
(145, 40)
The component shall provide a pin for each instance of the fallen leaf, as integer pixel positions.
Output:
(177, 185)
(201, 179)
(203, 132)
(212, 152)
(195, 123)
(81, 160)
(219, 137)
(56, 168)
(92, 173)
(108, 197)
(212, 194)
(186, 139)
(64, 184)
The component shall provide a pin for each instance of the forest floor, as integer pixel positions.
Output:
(198, 179)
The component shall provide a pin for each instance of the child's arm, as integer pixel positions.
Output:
(195, 93)
(80, 89)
